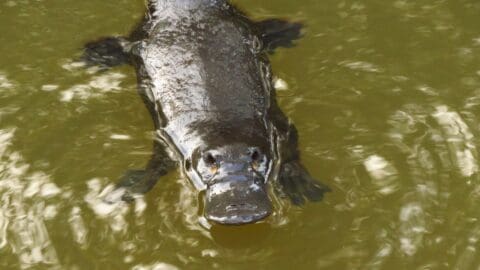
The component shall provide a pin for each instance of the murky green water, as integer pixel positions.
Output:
(386, 97)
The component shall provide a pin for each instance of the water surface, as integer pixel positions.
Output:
(386, 98)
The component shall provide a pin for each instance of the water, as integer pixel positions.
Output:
(385, 95)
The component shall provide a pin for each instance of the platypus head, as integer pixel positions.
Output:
(235, 176)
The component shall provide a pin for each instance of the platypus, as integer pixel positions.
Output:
(203, 73)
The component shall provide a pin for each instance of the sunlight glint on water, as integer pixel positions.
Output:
(386, 99)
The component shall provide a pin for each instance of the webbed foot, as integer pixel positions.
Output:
(279, 33)
(132, 183)
(106, 52)
(298, 185)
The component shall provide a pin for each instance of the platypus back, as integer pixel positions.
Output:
(184, 4)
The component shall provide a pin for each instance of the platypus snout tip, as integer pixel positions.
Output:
(239, 217)
(231, 202)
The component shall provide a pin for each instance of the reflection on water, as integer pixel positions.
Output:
(383, 174)
(459, 139)
(386, 98)
(27, 200)
(155, 266)
(361, 66)
(78, 227)
(96, 88)
(4, 82)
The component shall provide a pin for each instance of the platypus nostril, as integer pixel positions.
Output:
(209, 159)
(231, 207)
(254, 154)
(241, 207)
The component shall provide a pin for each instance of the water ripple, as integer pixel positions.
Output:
(383, 174)
(22, 222)
(78, 227)
(361, 66)
(155, 266)
(459, 139)
(412, 228)
(97, 87)
(5, 83)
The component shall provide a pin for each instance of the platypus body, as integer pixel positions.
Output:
(204, 75)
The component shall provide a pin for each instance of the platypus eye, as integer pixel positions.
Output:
(209, 159)
(255, 155)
